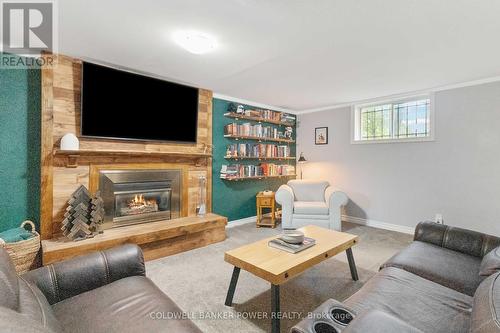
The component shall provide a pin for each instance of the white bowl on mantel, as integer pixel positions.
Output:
(70, 142)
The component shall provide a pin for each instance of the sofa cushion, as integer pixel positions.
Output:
(490, 263)
(9, 286)
(132, 304)
(421, 303)
(12, 321)
(462, 240)
(308, 190)
(486, 306)
(34, 305)
(310, 207)
(379, 322)
(300, 221)
(449, 268)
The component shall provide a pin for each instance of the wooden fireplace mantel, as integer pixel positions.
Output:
(73, 156)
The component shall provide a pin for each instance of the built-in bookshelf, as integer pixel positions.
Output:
(274, 132)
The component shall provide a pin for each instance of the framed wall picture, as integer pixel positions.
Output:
(321, 135)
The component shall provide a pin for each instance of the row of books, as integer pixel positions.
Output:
(261, 170)
(257, 130)
(268, 115)
(257, 150)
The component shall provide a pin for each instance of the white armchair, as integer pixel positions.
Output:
(306, 202)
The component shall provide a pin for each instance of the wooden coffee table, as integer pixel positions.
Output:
(277, 267)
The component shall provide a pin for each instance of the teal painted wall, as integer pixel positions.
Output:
(235, 200)
(20, 114)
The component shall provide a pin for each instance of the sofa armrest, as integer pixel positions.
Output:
(285, 197)
(323, 316)
(72, 277)
(335, 198)
(457, 239)
(378, 322)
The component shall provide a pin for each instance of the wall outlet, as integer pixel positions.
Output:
(438, 218)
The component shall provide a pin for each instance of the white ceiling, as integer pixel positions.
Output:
(296, 54)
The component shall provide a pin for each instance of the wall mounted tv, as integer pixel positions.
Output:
(117, 104)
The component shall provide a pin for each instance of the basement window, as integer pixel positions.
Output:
(403, 120)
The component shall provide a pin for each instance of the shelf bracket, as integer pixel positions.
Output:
(72, 161)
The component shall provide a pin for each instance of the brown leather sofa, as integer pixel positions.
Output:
(101, 292)
(433, 285)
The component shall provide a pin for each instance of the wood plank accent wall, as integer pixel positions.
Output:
(61, 114)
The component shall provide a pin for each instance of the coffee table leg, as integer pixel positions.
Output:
(232, 286)
(352, 264)
(275, 308)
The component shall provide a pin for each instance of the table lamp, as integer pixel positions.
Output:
(301, 160)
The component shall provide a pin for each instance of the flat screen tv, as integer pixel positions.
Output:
(117, 104)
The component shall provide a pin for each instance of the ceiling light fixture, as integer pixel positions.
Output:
(194, 41)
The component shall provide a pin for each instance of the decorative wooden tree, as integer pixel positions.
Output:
(83, 214)
(97, 213)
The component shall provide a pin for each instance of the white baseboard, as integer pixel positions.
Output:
(379, 224)
(235, 223)
(346, 218)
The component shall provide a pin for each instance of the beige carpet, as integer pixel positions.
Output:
(197, 280)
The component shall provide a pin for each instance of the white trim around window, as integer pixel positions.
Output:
(356, 110)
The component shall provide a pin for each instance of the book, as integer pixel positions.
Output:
(279, 244)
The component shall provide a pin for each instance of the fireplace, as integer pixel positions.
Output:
(139, 196)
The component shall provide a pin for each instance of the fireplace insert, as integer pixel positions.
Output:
(139, 196)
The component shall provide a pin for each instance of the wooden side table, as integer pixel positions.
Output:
(266, 201)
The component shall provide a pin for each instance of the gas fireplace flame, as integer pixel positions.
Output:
(140, 201)
(139, 204)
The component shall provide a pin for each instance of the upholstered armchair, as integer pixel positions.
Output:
(306, 202)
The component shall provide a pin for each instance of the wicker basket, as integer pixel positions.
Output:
(24, 253)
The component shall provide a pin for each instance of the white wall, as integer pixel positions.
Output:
(457, 175)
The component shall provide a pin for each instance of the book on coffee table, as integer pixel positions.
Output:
(279, 244)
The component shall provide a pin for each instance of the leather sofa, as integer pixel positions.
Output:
(436, 284)
(101, 292)
(305, 202)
